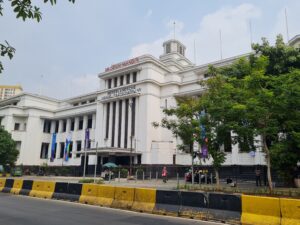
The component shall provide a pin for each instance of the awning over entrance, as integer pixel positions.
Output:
(109, 151)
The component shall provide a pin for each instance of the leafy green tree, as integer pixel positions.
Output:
(24, 9)
(183, 122)
(8, 151)
(259, 96)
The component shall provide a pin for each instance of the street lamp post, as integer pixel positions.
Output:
(96, 162)
(84, 163)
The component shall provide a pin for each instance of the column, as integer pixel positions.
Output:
(110, 124)
(123, 124)
(68, 127)
(74, 149)
(60, 126)
(117, 119)
(94, 122)
(52, 129)
(85, 120)
(57, 150)
(130, 144)
(76, 123)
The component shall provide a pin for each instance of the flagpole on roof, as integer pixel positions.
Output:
(221, 53)
(250, 31)
(286, 26)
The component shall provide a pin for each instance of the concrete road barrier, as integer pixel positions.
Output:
(26, 187)
(2, 183)
(194, 205)
(42, 189)
(105, 196)
(74, 192)
(167, 202)
(144, 200)
(290, 211)
(224, 207)
(260, 210)
(89, 194)
(124, 197)
(60, 191)
(8, 185)
(17, 187)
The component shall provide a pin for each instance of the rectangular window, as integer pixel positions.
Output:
(121, 80)
(78, 143)
(133, 117)
(56, 126)
(115, 82)
(90, 122)
(44, 151)
(72, 124)
(120, 123)
(55, 149)
(109, 84)
(17, 126)
(107, 119)
(227, 142)
(127, 78)
(113, 125)
(134, 77)
(126, 123)
(168, 48)
(47, 126)
(80, 125)
(62, 149)
(64, 126)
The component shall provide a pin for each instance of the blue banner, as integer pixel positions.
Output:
(87, 138)
(53, 147)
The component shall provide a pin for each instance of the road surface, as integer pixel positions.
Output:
(23, 210)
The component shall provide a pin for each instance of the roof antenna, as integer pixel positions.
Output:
(221, 53)
(286, 26)
(251, 38)
(195, 60)
(174, 23)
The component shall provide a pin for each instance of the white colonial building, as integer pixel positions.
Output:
(118, 117)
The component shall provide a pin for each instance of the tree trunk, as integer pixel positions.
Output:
(266, 149)
(217, 178)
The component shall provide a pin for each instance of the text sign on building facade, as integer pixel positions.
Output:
(122, 64)
(121, 92)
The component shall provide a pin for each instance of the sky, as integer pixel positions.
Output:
(62, 55)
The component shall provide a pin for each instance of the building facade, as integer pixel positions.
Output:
(7, 91)
(114, 124)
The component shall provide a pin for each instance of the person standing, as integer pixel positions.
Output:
(164, 174)
(257, 176)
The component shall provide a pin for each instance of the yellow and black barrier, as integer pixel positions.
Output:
(42, 189)
(229, 208)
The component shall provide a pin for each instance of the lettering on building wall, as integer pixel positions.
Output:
(121, 92)
(122, 64)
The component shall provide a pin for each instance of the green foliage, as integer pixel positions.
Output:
(90, 180)
(24, 9)
(258, 96)
(8, 151)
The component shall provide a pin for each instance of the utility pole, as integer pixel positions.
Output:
(96, 162)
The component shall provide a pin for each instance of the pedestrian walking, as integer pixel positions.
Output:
(164, 174)
(257, 176)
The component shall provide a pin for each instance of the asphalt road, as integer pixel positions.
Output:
(23, 210)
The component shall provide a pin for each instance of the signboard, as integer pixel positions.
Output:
(121, 92)
(122, 64)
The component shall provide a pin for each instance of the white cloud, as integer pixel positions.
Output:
(85, 83)
(149, 13)
(233, 22)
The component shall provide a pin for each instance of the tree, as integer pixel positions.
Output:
(183, 122)
(259, 96)
(8, 151)
(23, 9)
